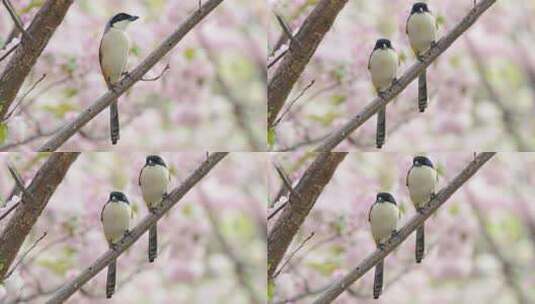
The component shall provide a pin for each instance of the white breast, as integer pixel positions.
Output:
(422, 31)
(383, 219)
(383, 68)
(116, 220)
(154, 181)
(114, 53)
(422, 182)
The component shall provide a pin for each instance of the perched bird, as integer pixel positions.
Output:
(383, 218)
(421, 28)
(383, 66)
(422, 180)
(115, 217)
(153, 180)
(113, 55)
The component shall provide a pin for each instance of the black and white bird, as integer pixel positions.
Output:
(422, 180)
(113, 55)
(154, 180)
(383, 67)
(115, 217)
(421, 28)
(383, 217)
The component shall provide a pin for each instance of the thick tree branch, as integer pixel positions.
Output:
(412, 73)
(368, 263)
(172, 199)
(43, 26)
(300, 202)
(43, 185)
(70, 128)
(301, 49)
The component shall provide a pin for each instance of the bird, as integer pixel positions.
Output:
(115, 217)
(421, 180)
(383, 65)
(113, 56)
(153, 179)
(421, 27)
(383, 217)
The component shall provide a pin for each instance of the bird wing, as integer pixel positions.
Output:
(106, 79)
(370, 213)
(370, 60)
(139, 177)
(407, 177)
(102, 212)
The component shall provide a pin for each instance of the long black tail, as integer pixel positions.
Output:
(110, 280)
(420, 244)
(381, 128)
(114, 122)
(153, 243)
(422, 91)
(378, 281)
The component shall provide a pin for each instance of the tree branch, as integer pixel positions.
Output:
(112, 254)
(43, 26)
(43, 185)
(412, 73)
(309, 188)
(368, 263)
(15, 18)
(301, 49)
(70, 128)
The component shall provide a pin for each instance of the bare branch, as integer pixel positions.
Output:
(368, 263)
(291, 103)
(24, 255)
(15, 18)
(301, 49)
(412, 73)
(8, 115)
(309, 188)
(19, 182)
(112, 254)
(70, 128)
(165, 69)
(43, 26)
(42, 187)
(291, 255)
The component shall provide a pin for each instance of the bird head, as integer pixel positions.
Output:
(117, 196)
(121, 21)
(419, 8)
(382, 44)
(153, 160)
(419, 161)
(385, 197)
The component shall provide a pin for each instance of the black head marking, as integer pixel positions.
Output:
(118, 196)
(422, 161)
(385, 197)
(121, 17)
(153, 160)
(383, 44)
(419, 8)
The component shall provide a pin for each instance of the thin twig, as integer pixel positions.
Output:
(339, 286)
(286, 29)
(9, 51)
(291, 103)
(279, 57)
(9, 273)
(165, 69)
(18, 181)
(16, 18)
(289, 258)
(8, 115)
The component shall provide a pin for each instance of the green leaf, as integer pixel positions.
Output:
(190, 54)
(325, 269)
(271, 137)
(271, 290)
(3, 133)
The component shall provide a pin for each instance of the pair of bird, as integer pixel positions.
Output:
(421, 28)
(384, 214)
(116, 214)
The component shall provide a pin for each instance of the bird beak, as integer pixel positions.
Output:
(133, 18)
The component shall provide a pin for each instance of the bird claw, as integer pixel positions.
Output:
(126, 74)
(381, 95)
(381, 246)
(395, 234)
(420, 210)
(127, 233)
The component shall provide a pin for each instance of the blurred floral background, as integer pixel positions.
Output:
(480, 244)
(482, 89)
(212, 97)
(192, 265)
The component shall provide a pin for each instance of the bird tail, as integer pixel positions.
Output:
(153, 243)
(110, 279)
(420, 244)
(422, 91)
(114, 122)
(381, 127)
(378, 281)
